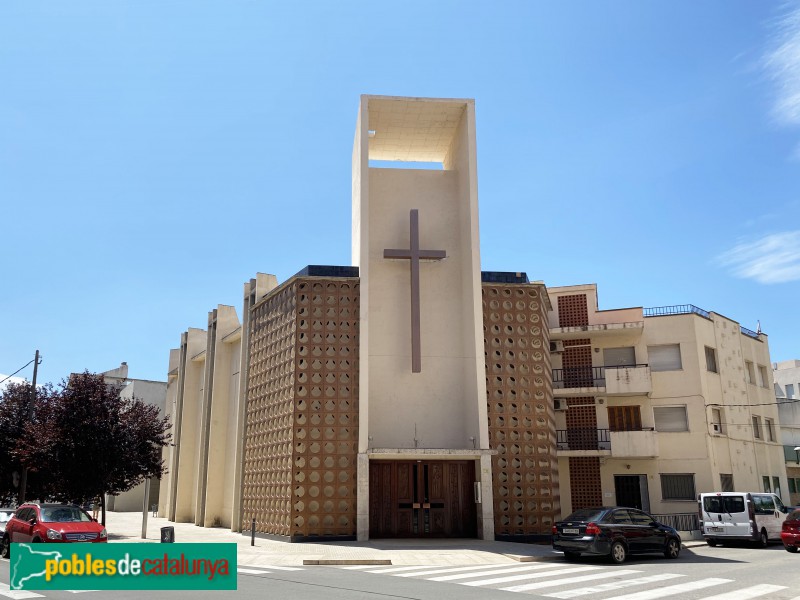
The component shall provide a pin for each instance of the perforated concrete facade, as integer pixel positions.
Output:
(520, 409)
(302, 412)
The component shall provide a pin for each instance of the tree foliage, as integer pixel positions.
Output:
(86, 441)
(14, 406)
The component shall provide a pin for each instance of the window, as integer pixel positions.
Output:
(671, 418)
(765, 481)
(790, 390)
(764, 505)
(794, 485)
(776, 486)
(640, 518)
(677, 486)
(665, 358)
(711, 360)
(624, 418)
(726, 482)
(717, 426)
(750, 372)
(769, 426)
(757, 428)
(619, 357)
(762, 376)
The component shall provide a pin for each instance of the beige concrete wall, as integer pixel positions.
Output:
(189, 451)
(219, 446)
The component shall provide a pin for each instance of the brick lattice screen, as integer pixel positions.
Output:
(302, 412)
(520, 409)
(584, 473)
(573, 311)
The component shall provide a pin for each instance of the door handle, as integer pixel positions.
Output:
(415, 505)
(426, 505)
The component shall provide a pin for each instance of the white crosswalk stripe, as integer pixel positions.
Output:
(567, 576)
(568, 580)
(674, 590)
(748, 593)
(7, 592)
(537, 575)
(439, 571)
(503, 571)
(262, 569)
(613, 585)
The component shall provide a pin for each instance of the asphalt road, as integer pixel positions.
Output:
(722, 573)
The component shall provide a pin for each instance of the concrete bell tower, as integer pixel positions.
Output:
(422, 386)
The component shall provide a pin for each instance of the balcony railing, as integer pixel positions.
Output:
(583, 439)
(677, 309)
(577, 377)
(686, 309)
(680, 521)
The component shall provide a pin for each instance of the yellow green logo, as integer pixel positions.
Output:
(123, 566)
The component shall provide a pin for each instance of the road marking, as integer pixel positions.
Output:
(747, 593)
(530, 576)
(567, 580)
(7, 592)
(373, 569)
(674, 589)
(514, 569)
(438, 571)
(612, 585)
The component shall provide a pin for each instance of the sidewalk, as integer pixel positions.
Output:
(127, 527)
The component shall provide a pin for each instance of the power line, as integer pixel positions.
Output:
(776, 403)
(17, 371)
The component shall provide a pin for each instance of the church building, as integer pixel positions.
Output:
(408, 394)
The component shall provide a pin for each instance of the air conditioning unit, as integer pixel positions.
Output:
(560, 404)
(717, 427)
(557, 346)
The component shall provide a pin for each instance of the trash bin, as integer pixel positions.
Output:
(167, 535)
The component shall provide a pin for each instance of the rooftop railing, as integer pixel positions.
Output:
(677, 309)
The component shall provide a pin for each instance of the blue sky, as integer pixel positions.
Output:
(154, 155)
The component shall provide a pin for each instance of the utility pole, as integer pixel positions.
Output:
(23, 483)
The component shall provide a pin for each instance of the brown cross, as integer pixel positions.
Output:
(414, 254)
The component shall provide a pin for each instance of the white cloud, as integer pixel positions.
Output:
(10, 380)
(774, 258)
(783, 65)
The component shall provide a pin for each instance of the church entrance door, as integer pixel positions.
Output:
(411, 499)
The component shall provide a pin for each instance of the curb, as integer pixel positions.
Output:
(530, 558)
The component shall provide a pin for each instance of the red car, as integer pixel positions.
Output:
(50, 523)
(790, 532)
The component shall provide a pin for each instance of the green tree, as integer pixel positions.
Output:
(92, 442)
(14, 406)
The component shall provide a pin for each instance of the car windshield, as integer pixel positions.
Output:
(723, 504)
(64, 514)
(586, 514)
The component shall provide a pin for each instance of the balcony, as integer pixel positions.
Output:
(634, 444)
(583, 442)
(632, 380)
(603, 323)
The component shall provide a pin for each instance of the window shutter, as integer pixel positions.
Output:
(671, 418)
(665, 358)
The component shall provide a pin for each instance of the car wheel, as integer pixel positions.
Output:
(572, 555)
(673, 548)
(711, 543)
(791, 548)
(5, 547)
(763, 539)
(618, 552)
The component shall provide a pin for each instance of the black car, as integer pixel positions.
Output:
(615, 532)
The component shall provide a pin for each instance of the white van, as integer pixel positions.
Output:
(752, 516)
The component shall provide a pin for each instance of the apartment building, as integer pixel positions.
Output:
(787, 393)
(656, 405)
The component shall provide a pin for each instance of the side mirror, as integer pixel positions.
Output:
(33, 521)
(653, 524)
